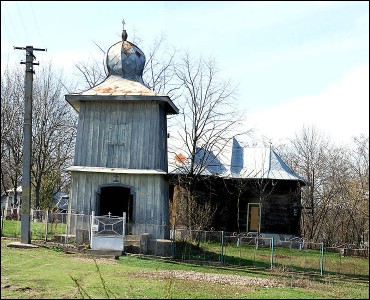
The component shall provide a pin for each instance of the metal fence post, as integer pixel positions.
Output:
(173, 242)
(91, 226)
(222, 247)
(46, 225)
(124, 230)
(322, 258)
(2, 219)
(272, 252)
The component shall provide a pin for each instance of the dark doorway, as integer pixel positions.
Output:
(115, 200)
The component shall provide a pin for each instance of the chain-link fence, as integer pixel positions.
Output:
(246, 250)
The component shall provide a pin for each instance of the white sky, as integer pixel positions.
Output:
(296, 63)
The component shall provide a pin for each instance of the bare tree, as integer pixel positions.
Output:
(358, 188)
(92, 72)
(54, 128)
(12, 94)
(335, 203)
(54, 131)
(159, 69)
(308, 157)
(209, 119)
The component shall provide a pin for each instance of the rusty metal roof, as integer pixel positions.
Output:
(116, 85)
(116, 88)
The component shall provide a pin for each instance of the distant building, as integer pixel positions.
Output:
(252, 188)
(10, 203)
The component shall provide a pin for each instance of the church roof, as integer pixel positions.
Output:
(237, 161)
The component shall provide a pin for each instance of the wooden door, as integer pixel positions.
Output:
(253, 216)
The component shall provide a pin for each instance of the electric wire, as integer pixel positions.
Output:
(11, 22)
(6, 30)
(24, 27)
(36, 24)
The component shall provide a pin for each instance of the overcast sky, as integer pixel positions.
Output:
(296, 63)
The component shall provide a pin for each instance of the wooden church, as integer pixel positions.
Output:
(120, 161)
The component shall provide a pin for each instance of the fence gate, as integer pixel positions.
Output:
(107, 232)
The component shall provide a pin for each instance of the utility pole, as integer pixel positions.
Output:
(27, 145)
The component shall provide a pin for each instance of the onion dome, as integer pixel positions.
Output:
(125, 59)
(124, 64)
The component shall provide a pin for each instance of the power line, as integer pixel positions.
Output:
(11, 22)
(6, 29)
(36, 23)
(24, 27)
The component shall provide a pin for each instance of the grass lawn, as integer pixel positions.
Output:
(49, 272)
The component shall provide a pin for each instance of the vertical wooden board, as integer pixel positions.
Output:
(124, 131)
(80, 134)
(165, 141)
(82, 205)
(149, 198)
(101, 136)
(96, 136)
(142, 203)
(144, 137)
(155, 153)
(164, 198)
(112, 122)
(159, 153)
(89, 134)
(137, 135)
(138, 200)
(130, 139)
(74, 189)
(80, 190)
(148, 137)
(152, 198)
(108, 124)
(92, 133)
(107, 133)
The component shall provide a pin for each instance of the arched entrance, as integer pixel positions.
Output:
(115, 199)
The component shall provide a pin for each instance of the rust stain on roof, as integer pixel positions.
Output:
(115, 85)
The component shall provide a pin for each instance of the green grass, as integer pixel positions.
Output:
(47, 272)
(12, 228)
(247, 256)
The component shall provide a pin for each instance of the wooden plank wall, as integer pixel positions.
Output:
(150, 196)
(129, 135)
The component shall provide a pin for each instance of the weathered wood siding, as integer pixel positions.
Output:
(277, 206)
(277, 215)
(150, 196)
(129, 135)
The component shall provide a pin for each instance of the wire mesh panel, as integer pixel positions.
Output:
(299, 255)
(347, 259)
(197, 245)
(249, 251)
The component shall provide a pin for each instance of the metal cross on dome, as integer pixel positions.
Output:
(123, 24)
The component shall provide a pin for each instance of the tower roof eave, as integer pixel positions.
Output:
(116, 88)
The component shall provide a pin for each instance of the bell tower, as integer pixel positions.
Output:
(120, 161)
